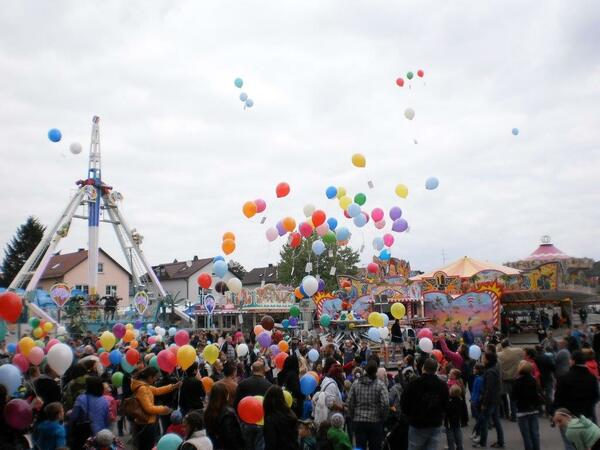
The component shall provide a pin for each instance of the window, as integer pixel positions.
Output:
(100, 267)
(83, 288)
(111, 289)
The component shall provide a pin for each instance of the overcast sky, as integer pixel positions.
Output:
(185, 154)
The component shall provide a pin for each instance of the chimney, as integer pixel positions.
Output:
(195, 257)
(174, 261)
(81, 249)
(270, 265)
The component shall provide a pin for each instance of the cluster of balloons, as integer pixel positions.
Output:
(248, 103)
(40, 328)
(55, 135)
(228, 244)
(251, 208)
(410, 76)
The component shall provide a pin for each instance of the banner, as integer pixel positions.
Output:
(60, 293)
(141, 301)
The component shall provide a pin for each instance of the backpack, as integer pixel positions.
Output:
(320, 409)
(131, 408)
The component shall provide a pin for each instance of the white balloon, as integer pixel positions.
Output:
(474, 352)
(234, 285)
(409, 113)
(313, 355)
(172, 331)
(310, 285)
(241, 350)
(75, 148)
(426, 345)
(60, 358)
(160, 331)
(61, 330)
(159, 338)
(384, 333)
(309, 210)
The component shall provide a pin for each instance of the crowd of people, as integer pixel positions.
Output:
(426, 402)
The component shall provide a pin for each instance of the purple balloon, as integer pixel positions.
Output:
(399, 225)
(274, 349)
(321, 285)
(293, 321)
(264, 339)
(18, 414)
(119, 330)
(138, 324)
(282, 231)
(395, 213)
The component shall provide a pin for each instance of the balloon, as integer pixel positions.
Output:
(307, 384)
(243, 96)
(54, 135)
(285, 323)
(401, 191)
(166, 361)
(132, 356)
(25, 345)
(425, 332)
(385, 254)
(379, 225)
(34, 322)
(264, 339)
(318, 247)
(308, 210)
(388, 239)
(115, 357)
(332, 223)
(310, 285)
(126, 366)
(186, 355)
(75, 148)
(207, 382)
(359, 160)
(378, 243)
(249, 209)
(289, 400)
(474, 352)
(305, 229)
(293, 321)
(360, 199)
(38, 333)
(383, 332)
(36, 355)
(395, 213)
(204, 280)
(169, 441)
(154, 362)
(283, 346)
(426, 345)
(409, 75)
(210, 353)
(250, 410)
(318, 218)
(377, 214)
(325, 320)
(107, 339)
(431, 183)
(372, 268)
(341, 191)
(220, 269)
(118, 330)
(226, 235)
(51, 343)
(12, 347)
(353, 210)
(400, 225)
(271, 234)
(267, 323)
(117, 379)
(258, 329)
(372, 318)
(515, 131)
(10, 378)
(18, 414)
(241, 350)
(249, 103)
(329, 237)
(60, 358)
(104, 359)
(21, 362)
(282, 189)
(386, 319)
(360, 220)
(11, 306)
(238, 82)
(437, 354)
(130, 336)
(261, 205)
(234, 285)
(295, 311)
(345, 202)
(289, 224)
(400, 82)
(420, 73)
(228, 246)
(342, 234)
(313, 355)
(331, 192)
(398, 310)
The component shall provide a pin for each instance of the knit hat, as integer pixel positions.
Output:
(337, 420)
(104, 438)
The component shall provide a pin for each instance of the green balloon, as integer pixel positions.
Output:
(295, 311)
(117, 379)
(360, 199)
(409, 75)
(325, 320)
(154, 362)
(329, 237)
(40, 344)
(2, 329)
(34, 322)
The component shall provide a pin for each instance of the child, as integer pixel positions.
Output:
(306, 433)
(104, 440)
(336, 435)
(476, 398)
(177, 426)
(456, 417)
(50, 434)
(454, 379)
(113, 405)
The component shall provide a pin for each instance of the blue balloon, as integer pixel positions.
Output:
(332, 222)
(515, 131)
(432, 183)
(373, 334)
(285, 323)
(243, 96)
(218, 258)
(331, 192)
(353, 210)
(54, 135)
(10, 378)
(318, 247)
(126, 366)
(238, 82)
(301, 289)
(115, 357)
(308, 384)
(249, 103)
(385, 254)
(360, 220)
(170, 441)
(12, 347)
(220, 268)
(378, 243)
(342, 234)
(149, 326)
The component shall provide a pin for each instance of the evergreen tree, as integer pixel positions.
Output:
(22, 245)
(292, 266)
(237, 269)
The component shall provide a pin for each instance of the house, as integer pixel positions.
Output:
(261, 275)
(72, 269)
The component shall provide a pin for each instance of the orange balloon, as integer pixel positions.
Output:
(314, 374)
(133, 344)
(283, 346)
(228, 246)
(280, 360)
(299, 295)
(249, 209)
(258, 329)
(128, 336)
(229, 235)
(207, 382)
(289, 224)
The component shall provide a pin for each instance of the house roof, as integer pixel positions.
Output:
(60, 265)
(256, 276)
(467, 267)
(180, 270)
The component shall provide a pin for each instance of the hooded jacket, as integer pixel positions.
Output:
(577, 390)
(145, 395)
(509, 359)
(582, 432)
(425, 401)
(368, 400)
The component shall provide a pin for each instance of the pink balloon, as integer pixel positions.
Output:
(21, 362)
(367, 217)
(425, 332)
(166, 361)
(182, 337)
(305, 229)
(261, 205)
(152, 340)
(271, 234)
(36, 355)
(377, 214)
(379, 225)
(323, 229)
(388, 239)
(18, 414)
(173, 349)
(51, 343)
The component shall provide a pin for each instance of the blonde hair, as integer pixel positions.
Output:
(525, 368)
(455, 391)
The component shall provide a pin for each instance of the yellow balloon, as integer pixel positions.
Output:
(129, 326)
(379, 321)
(210, 353)
(289, 400)
(345, 202)
(38, 332)
(398, 310)
(186, 355)
(341, 192)
(108, 340)
(373, 319)
(25, 345)
(48, 327)
(261, 422)
(359, 160)
(401, 191)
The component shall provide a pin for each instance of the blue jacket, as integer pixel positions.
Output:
(49, 435)
(94, 409)
(477, 388)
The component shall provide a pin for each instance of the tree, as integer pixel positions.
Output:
(292, 266)
(237, 269)
(21, 246)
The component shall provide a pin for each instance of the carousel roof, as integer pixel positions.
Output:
(466, 267)
(547, 252)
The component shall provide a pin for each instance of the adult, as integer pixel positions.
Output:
(280, 430)
(546, 367)
(368, 406)
(228, 348)
(364, 353)
(191, 394)
(468, 336)
(289, 379)
(230, 379)
(89, 414)
(144, 430)
(48, 389)
(348, 351)
(217, 371)
(579, 432)
(222, 426)
(77, 384)
(562, 360)
(329, 399)
(527, 399)
(509, 358)
(425, 402)
(490, 401)
(397, 338)
(195, 435)
(550, 344)
(453, 357)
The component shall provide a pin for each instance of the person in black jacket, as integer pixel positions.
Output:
(289, 379)
(281, 425)
(546, 367)
(577, 390)
(169, 399)
(457, 417)
(425, 403)
(191, 395)
(490, 401)
(526, 395)
(222, 426)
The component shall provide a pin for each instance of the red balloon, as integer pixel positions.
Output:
(18, 414)
(166, 361)
(282, 189)
(276, 336)
(305, 229)
(420, 73)
(295, 240)
(437, 354)
(372, 268)
(318, 218)
(346, 215)
(400, 82)
(132, 356)
(250, 410)
(280, 360)
(11, 306)
(204, 280)
(21, 362)
(267, 323)
(104, 359)
(182, 337)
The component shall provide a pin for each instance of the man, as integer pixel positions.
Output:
(550, 344)
(468, 336)
(425, 402)
(509, 358)
(577, 334)
(490, 402)
(546, 367)
(229, 380)
(364, 353)
(452, 343)
(368, 405)
(348, 351)
(228, 349)
(577, 390)
(562, 360)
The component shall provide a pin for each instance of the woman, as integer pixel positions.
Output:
(329, 398)
(280, 430)
(89, 414)
(289, 379)
(222, 426)
(397, 339)
(525, 394)
(217, 373)
(579, 431)
(195, 436)
(144, 391)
